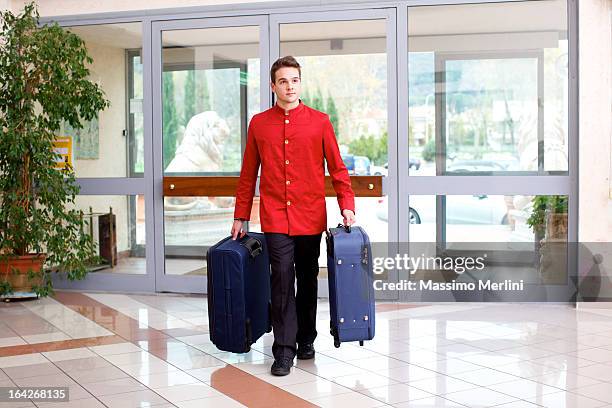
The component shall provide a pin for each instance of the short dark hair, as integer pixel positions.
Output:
(287, 61)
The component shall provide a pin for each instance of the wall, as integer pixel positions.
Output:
(69, 7)
(595, 105)
(108, 71)
(595, 215)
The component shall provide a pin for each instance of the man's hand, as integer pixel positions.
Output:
(237, 229)
(349, 217)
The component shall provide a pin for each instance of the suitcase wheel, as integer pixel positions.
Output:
(361, 343)
(334, 332)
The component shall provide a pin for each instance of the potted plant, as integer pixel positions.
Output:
(549, 217)
(537, 218)
(556, 218)
(548, 220)
(44, 77)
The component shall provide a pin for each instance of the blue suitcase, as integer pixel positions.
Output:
(351, 291)
(238, 292)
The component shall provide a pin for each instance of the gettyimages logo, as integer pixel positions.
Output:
(413, 264)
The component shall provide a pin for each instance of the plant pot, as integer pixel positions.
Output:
(15, 271)
(556, 226)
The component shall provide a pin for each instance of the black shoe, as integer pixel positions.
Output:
(305, 351)
(282, 366)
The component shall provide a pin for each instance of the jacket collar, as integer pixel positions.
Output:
(293, 111)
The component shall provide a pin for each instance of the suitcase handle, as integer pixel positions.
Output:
(347, 228)
(252, 245)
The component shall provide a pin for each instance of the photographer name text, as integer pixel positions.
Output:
(429, 285)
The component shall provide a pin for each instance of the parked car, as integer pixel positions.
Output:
(413, 162)
(378, 171)
(466, 166)
(357, 165)
(362, 166)
(349, 162)
(460, 209)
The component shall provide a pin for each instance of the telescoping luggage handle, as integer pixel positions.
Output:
(252, 245)
(328, 237)
(347, 228)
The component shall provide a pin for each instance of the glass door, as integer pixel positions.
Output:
(491, 148)
(348, 71)
(208, 84)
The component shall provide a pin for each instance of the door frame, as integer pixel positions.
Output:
(194, 283)
(535, 183)
(389, 183)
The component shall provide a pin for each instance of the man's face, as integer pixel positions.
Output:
(288, 85)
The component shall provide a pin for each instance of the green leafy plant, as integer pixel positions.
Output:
(44, 81)
(556, 204)
(429, 151)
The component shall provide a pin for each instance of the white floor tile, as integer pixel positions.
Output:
(518, 404)
(485, 377)
(82, 403)
(119, 348)
(334, 370)
(452, 367)
(187, 392)
(111, 387)
(379, 363)
(601, 392)
(523, 388)
(431, 402)
(145, 398)
(479, 397)
(151, 367)
(393, 394)
(407, 373)
(11, 341)
(442, 384)
(565, 380)
(564, 399)
(140, 356)
(597, 355)
(46, 337)
(22, 360)
(353, 400)
(601, 372)
(168, 379)
(316, 389)
(69, 354)
(364, 381)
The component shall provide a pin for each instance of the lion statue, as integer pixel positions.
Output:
(200, 150)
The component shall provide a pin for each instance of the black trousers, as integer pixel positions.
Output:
(294, 316)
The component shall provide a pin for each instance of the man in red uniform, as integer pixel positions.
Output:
(291, 141)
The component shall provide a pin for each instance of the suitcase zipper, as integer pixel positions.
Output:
(367, 259)
(210, 295)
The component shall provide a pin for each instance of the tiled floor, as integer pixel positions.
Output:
(154, 351)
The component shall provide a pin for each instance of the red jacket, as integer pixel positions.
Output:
(291, 146)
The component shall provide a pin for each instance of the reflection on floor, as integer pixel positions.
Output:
(173, 266)
(116, 350)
